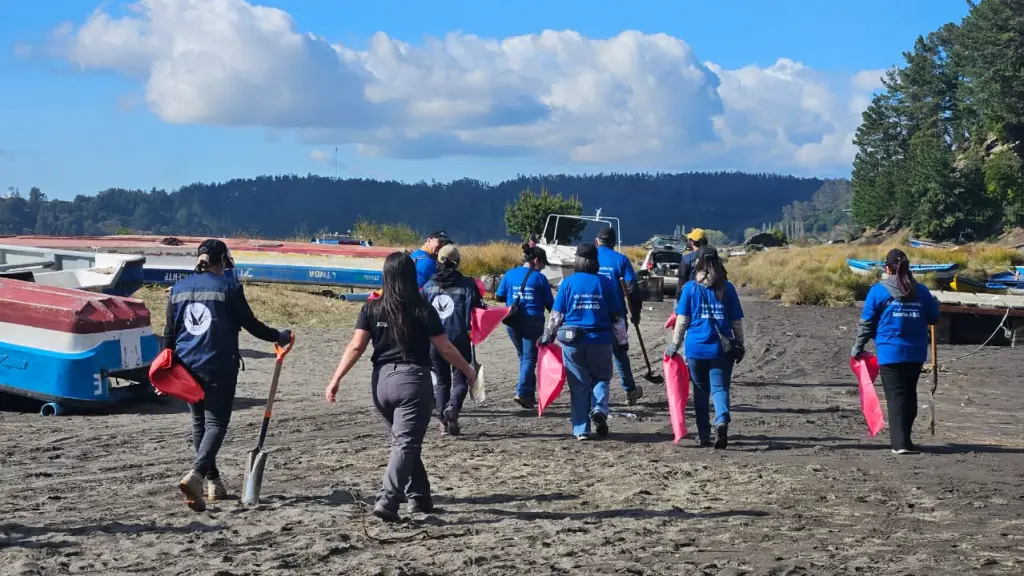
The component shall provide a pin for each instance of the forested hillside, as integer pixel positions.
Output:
(472, 211)
(941, 148)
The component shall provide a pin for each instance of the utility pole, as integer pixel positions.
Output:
(335, 162)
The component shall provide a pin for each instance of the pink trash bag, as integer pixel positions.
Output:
(670, 324)
(866, 371)
(550, 375)
(677, 390)
(480, 286)
(484, 321)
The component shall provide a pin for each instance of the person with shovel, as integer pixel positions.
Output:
(403, 327)
(709, 319)
(587, 317)
(453, 296)
(205, 313)
(527, 293)
(897, 313)
(616, 267)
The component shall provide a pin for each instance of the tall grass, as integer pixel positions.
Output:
(492, 259)
(820, 276)
(387, 234)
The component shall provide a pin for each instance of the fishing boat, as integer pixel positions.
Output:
(340, 240)
(115, 274)
(917, 243)
(966, 285)
(562, 257)
(353, 273)
(73, 349)
(869, 267)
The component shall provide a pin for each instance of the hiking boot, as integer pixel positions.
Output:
(633, 396)
(421, 507)
(704, 442)
(451, 416)
(385, 514)
(600, 424)
(192, 487)
(443, 427)
(525, 403)
(721, 436)
(215, 489)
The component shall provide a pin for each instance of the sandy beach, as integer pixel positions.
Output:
(802, 489)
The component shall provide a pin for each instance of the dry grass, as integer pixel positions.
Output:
(819, 275)
(279, 306)
(490, 259)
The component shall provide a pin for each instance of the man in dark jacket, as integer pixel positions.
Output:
(205, 313)
(454, 296)
(687, 268)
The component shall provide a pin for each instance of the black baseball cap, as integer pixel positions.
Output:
(607, 235)
(586, 250)
(216, 250)
(441, 236)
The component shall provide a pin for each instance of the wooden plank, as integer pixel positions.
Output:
(981, 310)
(1000, 301)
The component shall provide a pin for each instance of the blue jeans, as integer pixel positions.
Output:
(588, 369)
(711, 379)
(622, 366)
(524, 338)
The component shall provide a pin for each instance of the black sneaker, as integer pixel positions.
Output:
(705, 443)
(385, 514)
(600, 424)
(451, 416)
(722, 436)
(421, 507)
(525, 403)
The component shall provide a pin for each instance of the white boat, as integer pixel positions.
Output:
(562, 257)
(115, 274)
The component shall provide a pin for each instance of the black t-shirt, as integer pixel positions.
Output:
(421, 328)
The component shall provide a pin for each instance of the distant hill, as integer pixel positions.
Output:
(825, 215)
(471, 211)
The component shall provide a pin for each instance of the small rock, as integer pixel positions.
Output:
(815, 468)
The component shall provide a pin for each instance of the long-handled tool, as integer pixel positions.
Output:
(257, 459)
(650, 376)
(935, 383)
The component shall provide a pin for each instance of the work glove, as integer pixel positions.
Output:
(284, 337)
(738, 351)
(636, 319)
(671, 350)
(545, 340)
(856, 352)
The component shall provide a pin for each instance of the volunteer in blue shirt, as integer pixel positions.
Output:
(587, 317)
(526, 285)
(425, 257)
(205, 313)
(710, 322)
(897, 313)
(454, 296)
(615, 266)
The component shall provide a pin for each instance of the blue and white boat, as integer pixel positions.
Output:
(918, 243)
(166, 271)
(114, 274)
(869, 267)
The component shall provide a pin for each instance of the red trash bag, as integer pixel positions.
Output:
(670, 324)
(677, 389)
(480, 286)
(171, 378)
(866, 371)
(550, 375)
(373, 295)
(484, 321)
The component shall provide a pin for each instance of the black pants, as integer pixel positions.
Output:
(452, 388)
(210, 418)
(900, 384)
(401, 394)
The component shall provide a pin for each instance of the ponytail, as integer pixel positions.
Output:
(904, 277)
(203, 263)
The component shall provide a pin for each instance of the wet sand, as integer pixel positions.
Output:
(802, 489)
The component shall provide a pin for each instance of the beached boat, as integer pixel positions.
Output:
(166, 271)
(966, 285)
(116, 274)
(562, 257)
(938, 271)
(73, 349)
(917, 243)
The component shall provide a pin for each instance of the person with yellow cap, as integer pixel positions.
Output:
(687, 270)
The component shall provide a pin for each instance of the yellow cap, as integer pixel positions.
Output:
(696, 234)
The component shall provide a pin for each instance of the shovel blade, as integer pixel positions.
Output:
(254, 479)
(654, 378)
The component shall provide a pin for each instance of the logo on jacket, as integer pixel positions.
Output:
(197, 318)
(444, 305)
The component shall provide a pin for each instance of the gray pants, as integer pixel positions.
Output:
(403, 394)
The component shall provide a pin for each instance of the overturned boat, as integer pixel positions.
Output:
(114, 274)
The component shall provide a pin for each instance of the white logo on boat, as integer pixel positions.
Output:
(197, 318)
(444, 305)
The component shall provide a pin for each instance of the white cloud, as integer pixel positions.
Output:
(634, 98)
(320, 156)
(22, 50)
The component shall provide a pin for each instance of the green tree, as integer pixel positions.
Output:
(717, 238)
(529, 214)
(750, 233)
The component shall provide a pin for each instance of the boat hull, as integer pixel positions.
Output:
(871, 267)
(114, 274)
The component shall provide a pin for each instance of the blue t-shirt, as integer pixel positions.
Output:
(536, 296)
(426, 266)
(614, 266)
(901, 334)
(703, 307)
(588, 302)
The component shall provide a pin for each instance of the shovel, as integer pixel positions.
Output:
(935, 384)
(257, 459)
(650, 376)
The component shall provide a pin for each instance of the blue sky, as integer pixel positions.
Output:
(74, 116)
